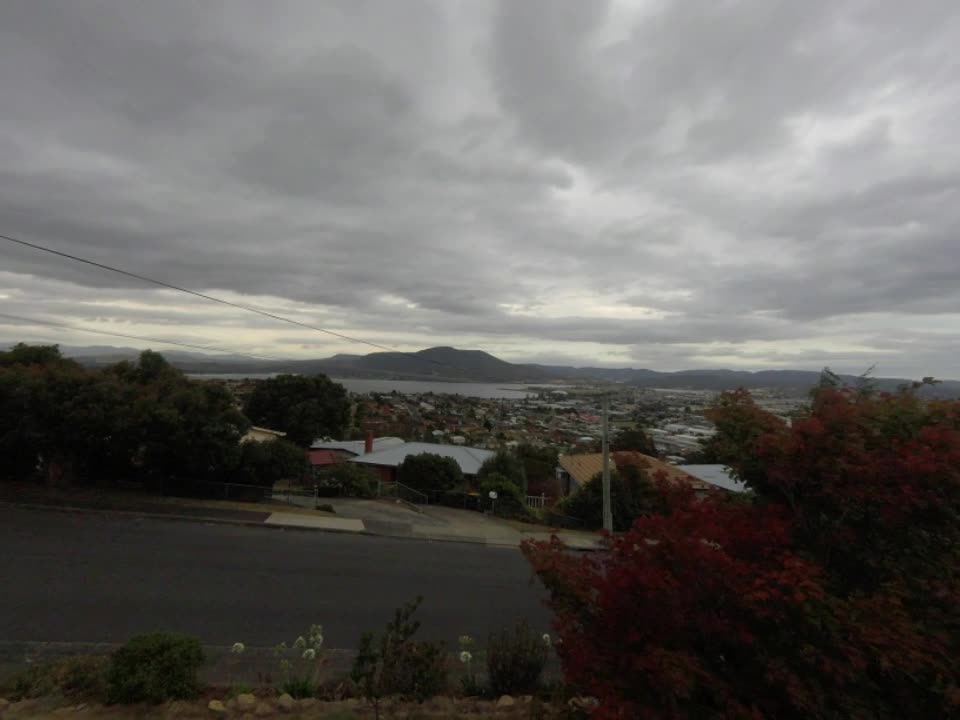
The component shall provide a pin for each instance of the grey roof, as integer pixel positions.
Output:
(718, 475)
(355, 447)
(468, 458)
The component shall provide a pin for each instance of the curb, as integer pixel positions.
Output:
(108, 512)
(69, 509)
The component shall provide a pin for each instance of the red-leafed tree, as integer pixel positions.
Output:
(830, 592)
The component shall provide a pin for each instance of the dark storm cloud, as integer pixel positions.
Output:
(553, 177)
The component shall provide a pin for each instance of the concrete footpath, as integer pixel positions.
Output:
(383, 518)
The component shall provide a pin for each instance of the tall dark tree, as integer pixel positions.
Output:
(66, 424)
(540, 469)
(264, 463)
(23, 354)
(506, 464)
(305, 408)
(634, 439)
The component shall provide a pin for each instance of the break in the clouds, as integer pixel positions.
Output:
(664, 184)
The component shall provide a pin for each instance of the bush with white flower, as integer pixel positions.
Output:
(301, 663)
(469, 680)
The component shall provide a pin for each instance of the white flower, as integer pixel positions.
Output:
(309, 654)
(465, 657)
(466, 640)
(299, 643)
(316, 636)
(546, 639)
(238, 648)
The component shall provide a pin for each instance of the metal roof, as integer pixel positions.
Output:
(355, 447)
(468, 458)
(718, 475)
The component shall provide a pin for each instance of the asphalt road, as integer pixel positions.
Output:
(91, 578)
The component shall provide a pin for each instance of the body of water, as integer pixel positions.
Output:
(361, 385)
(479, 390)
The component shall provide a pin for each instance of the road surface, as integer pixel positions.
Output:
(92, 578)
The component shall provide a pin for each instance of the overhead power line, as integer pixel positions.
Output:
(35, 321)
(215, 299)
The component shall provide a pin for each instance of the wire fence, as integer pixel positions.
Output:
(534, 509)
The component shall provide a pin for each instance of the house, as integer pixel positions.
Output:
(575, 471)
(385, 462)
(319, 459)
(260, 434)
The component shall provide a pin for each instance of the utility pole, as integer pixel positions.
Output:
(605, 448)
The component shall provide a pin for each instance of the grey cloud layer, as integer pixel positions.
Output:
(750, 172)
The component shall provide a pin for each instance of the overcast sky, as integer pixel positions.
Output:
(672, 185)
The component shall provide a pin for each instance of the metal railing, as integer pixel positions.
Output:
(402, 492)
(537, 502)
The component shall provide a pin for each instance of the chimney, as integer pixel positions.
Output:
(368, 442)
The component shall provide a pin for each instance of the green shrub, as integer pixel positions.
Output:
(516, 656)
(395, 664)
(427, 472)
(239, 688)
(154, 668)
(298, 687)
(506, 489)
(346, 479)
(82, 676)
(507, 465)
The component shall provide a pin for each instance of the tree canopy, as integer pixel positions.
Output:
(507, 465)
(829, 592)
(427, 472)
(634, 439)
(142, 420)
(540, 469)
(304, 407)
(631, 494)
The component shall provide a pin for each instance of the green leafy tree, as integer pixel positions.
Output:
(505, 464)
(427, 472)
(265, 463)
(631, 495)
(23, 354)
(634, 439)
(507, 492)
(67, 424)
(540, 469)
(305, 408)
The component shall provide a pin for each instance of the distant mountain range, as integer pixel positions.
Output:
(451, 364)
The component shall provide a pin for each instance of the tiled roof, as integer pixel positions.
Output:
(583, 468)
